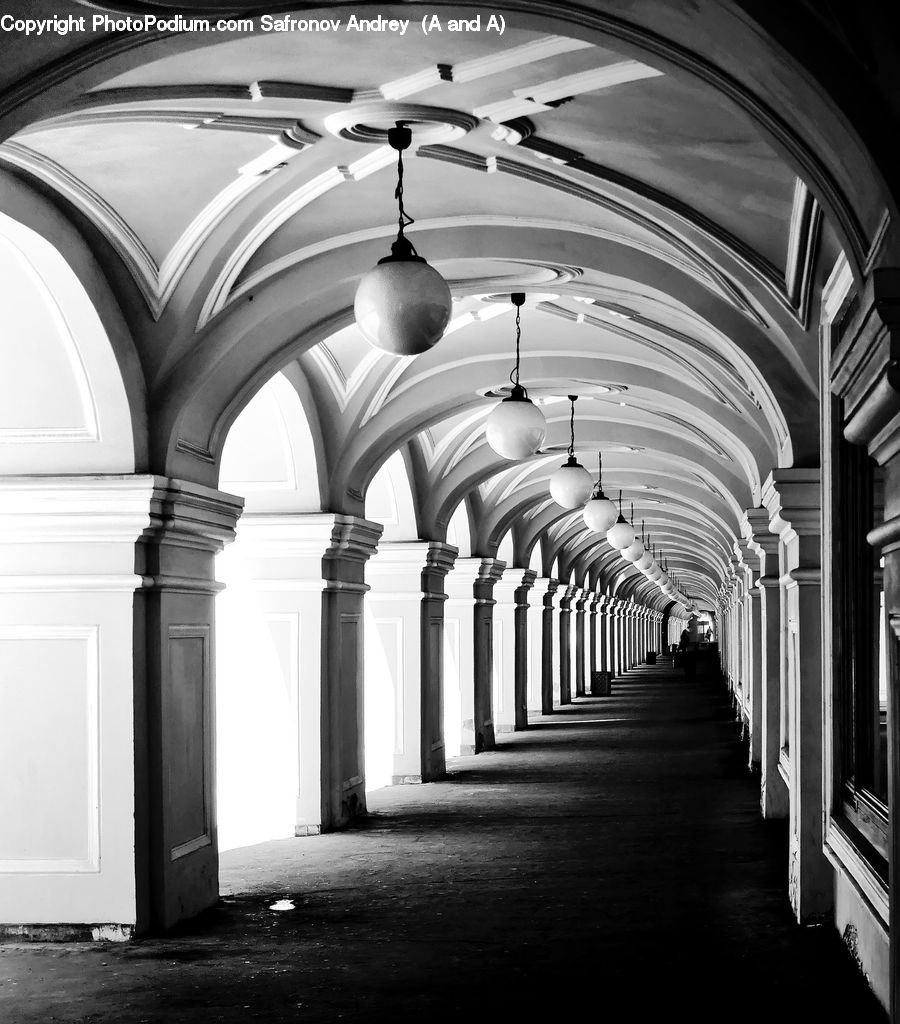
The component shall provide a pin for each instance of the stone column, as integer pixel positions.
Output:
(580, 601)
(614, 650)
(751, 560)
(593, 639)
(175, 621)
(536, 614)
(565, 645)
(603, 630)
(407, 600)
(471, 604)
(645, 634)
(107, 593)
(523, 687)
(284, 557)
(353, 542)
(459, 612)
(490, 571)
(549, 658)
(793, 498)
(629, 635)
(773, 788)
(511, 639)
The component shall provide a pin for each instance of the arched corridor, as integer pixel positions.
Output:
(613, 856)
(387, 394)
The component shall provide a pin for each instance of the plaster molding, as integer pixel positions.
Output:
(278, 215)
(124, 240)
(793, 500)
(864, 367)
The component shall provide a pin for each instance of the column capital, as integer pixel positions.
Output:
(751, 556)
(490, 570)
(412, 569)
(441, 558)
(544, 585)
(755, 527)
(192, 515)
(353, 542)
(863, 366)
(514, 578)
(793, 499)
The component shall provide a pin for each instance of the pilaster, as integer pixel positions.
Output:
(580, 602)
(511, 635)
(753, 613)
(71, 645)
(565, 644)
(536, 614)
(549, 662)
(793, 499)
(407, 597)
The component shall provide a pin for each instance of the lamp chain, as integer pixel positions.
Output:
(572, 429)
(404, 219)
(514, 376)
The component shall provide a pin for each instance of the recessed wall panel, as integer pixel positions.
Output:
(49, 755)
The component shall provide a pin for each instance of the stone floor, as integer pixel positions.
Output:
(609, 861)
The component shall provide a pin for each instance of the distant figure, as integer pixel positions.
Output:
(685, 637)
(708, 635)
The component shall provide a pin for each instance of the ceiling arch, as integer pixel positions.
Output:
(671, 213)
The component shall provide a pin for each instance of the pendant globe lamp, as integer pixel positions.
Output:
(516, 428)
(636, 548)
(571, 484)
(654, 573)
(620, 534)
(402, 305)
(600, 512)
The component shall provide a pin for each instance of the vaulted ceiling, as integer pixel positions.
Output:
(233, 188)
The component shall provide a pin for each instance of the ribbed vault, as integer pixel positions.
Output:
(671, 222)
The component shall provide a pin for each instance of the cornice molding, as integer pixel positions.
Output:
(865, 367)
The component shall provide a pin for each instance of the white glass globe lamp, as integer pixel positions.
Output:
(600, 512)
(634, 550)
(402, 305)
(571, 484)
(620, 535)
(516, 428)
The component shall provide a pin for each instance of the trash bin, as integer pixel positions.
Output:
(651, 657)
(600, 684)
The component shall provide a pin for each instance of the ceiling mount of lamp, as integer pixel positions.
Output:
(600, 512)
(402, 305)
(571, 484)
(516, 427)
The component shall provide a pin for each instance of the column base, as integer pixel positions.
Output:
(300, 831)
(485, 739)
(406, 780)
(68, 932)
